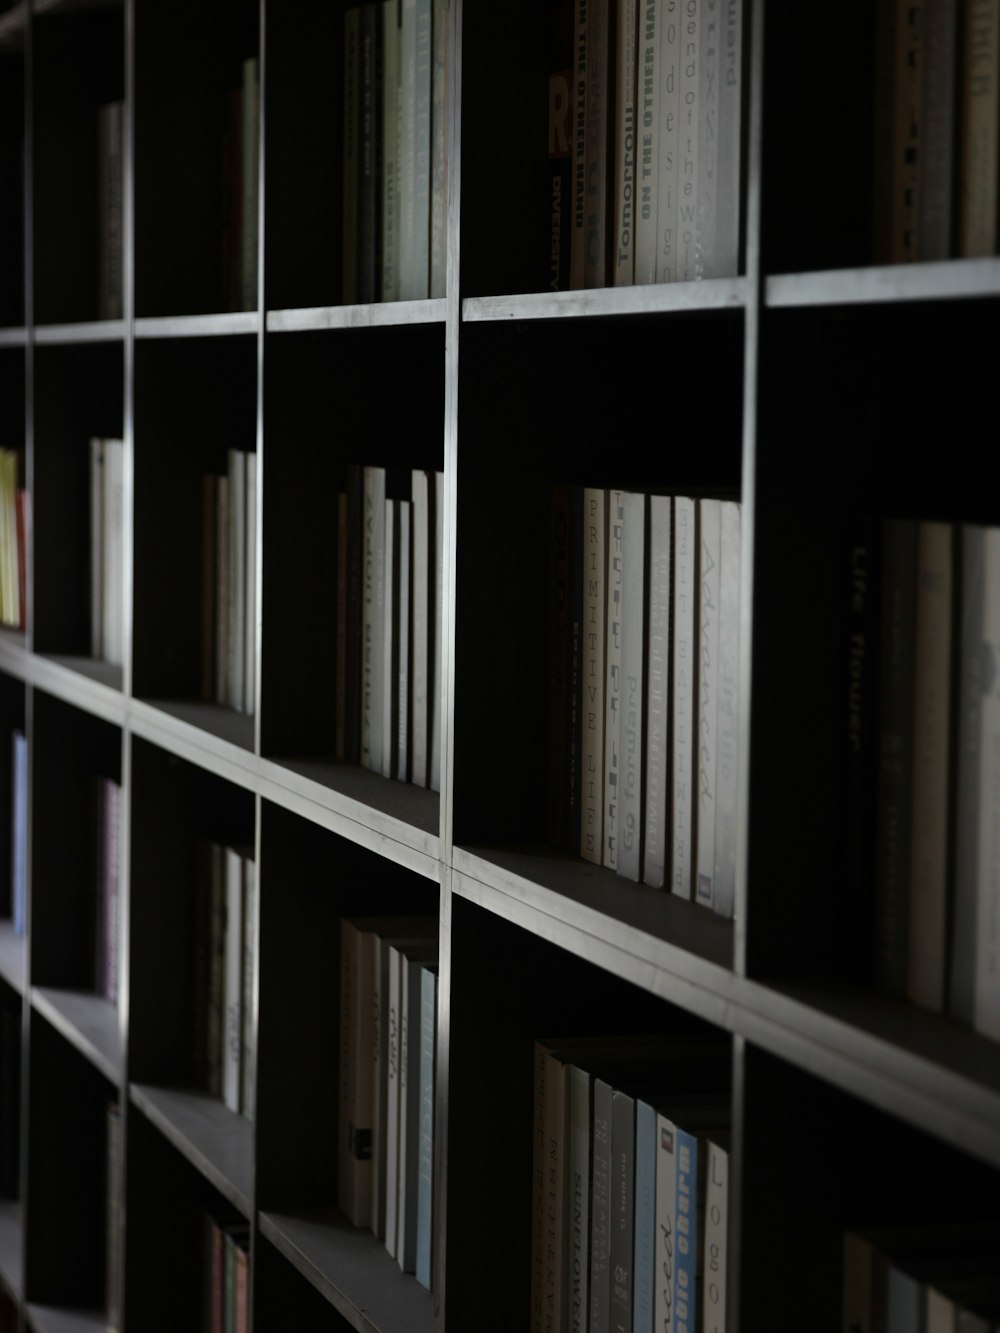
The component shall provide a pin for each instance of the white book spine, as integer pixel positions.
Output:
(987, 980)
(727, 755)
(706, 259)
(669, 170)
(389, 612)
(233, 981)
(612, 697)
(633, 672)
(684, 677)
(421, 628)
(248, 1025)
(250, 588)
(439, 149)
(689, 118)
(707, 709)
(113, 550)
(237, 576)
(727, 194)
(665, 1261)
(648, 129)
(656, 832)
(403, 629)
(592, 713)
(929, 826)
(623, 260)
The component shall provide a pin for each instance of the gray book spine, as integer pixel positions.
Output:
(373, 618)
(684, 674)
(728, 159)
(390, 149)
(594, 577)
(622, 1210)
(369, 174)
(656, 831)
(707, 705)
(600, 1202)
(668, 138)
(633, 671)
(647, 141)
(727, 754)
(706, 256)
(644, 1235)
(439, 147)
(352, 64)
(612, 693)
(425, 1180)
(934, 211)
(689, 125)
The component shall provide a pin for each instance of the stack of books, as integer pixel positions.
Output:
(644, 142)
(395, 150)
(644, 665)
(229, 583)
(389, 599)
(629, 1188)
(15, 522)
(107, 514)
(388, 1027)
(224, 969)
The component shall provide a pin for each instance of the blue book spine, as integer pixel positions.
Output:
(645, 1217)
(686, 1257)
(425, 1179)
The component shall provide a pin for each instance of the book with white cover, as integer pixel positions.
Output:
(684, 674)
(250, 587)
(612, 693)
(666, 1222)
(688, 129)
(707, 701)
(373, 618)
(987, 982)
(668, 140)
(706, 257)
(237, 473)
(656, 825)
(394, 1054)
(112, 550)
(439, 149)
(623, 241)
(233, 981)
(425, 1179)
(593, 672)
(247, 1016)
(389, 640)
(931, 728)
(632, 688)
(727, 754)
(727, 192)
(648, 129)
(421, 619)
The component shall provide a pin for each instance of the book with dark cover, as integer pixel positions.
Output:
(110, 209)
(622, 1220)
(593, 574)
(425, 1178)
(369, 155)
(612, 693)
(630, 796)
(557, 238)
(625, 147)
(351, 158)
(707, 696)
(595, 203)
(656, 830)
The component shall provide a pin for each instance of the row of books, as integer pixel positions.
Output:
(15, 523)
(107, 631)
(226, 1305)
(395, 150)
(937, 775)
(644, 663)
(225, 934)
(107, 797)
(389, 604)
(388, 1033)
(630, 1187)
(644, 141)
(229, 583)
(937, 130)
(940, 1278)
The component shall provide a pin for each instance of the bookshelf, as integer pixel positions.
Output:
(811, 384)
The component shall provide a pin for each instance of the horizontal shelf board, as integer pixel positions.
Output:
(13, 956)
(221, 325)
(954, 279)
(105, 673)
(51, 1319)
(66, 6)
(11, 1246)
(654, 298)
(14, 337)
(87, 331)
(352, 1270)
(395, 812)
(65, 679)
(206, 721)
(88, 1022)
(919, 1066)
(654, 939)
(216, 1141)
(381, 314)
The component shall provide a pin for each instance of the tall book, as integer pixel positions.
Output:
(559, 171)
(596, 144)
(600, 1207)
(357, 952)
(248, 1026)
(907, 146)
(630, 808)
(707, 701)
(369, 168)
(656, 824)
(439, 148)
(352, 85)
(937, 157)
(414, 959)
(437, 633)
(727, 730)
(668, 137)
(425, 1180)
(710, 60)
(622, 1219)
(97, 490)
(980, 134)
(250, 586)
(612, 693)
(683, 677)
(233, 980)
(578, 240)
(19, 832)
(929, 798)
(391, 146)
(716, 1230)
(421, 619)
(593, 675)
(728, 157)
(686, 1243)
(688, 132)
(373, 619)
(415, 84)
(110, 210)
(250, 145)
(390, 641)
(644, 1271)
(987, 955)
(623, 239)
(401, 655)
(236, 604)
(648, 130)
(577, 1302)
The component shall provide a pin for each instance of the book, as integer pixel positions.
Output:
(424, 1262)
(578, 236)
(706, 263)
(19, 833)
(644, 1225)
(389, 702)
(391, 150)
(248, 1023)
(114, 1215)
(438, 236)
(558, 215)
(986, 1010)
(622, 1212)
(980, 134)
(670, 16)
(373, 620)
(250, 587)
(369, 277)
(707, 697)
(421, 622)
(727, 728)
(236, 593)
(249, 177)
(683, 678)
(728, 157)
(592, 681)
(714, 1263)
(414, 958)
(656, 823)
(233, 980)
(401, 651)
(415, 83)
(688, 131)
(437, 633)
(632, 688)
(623, 237)
(935, 239)
(354, 1183)
(600, 1207)
(351, 151)
(595, 201)
(577, 1176)
(612, 694)
(110, 210)
(648, 130)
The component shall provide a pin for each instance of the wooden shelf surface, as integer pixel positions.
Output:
(89, 1023)
(352, 1269)
(215, 1140)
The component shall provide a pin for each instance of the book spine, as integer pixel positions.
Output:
(19, 834)
(425, 1182)
(390, 642)
(648, 128)
(706, 253)
(340, 698)
(250, 588)
(728, 179)
(612, 693)
(111, 864)
(727, 753)
(421, 628)
(390, 150)
(233, 980)
(369, 180)
(632, 687)
(596, 161)
(689, 119)
(656, 823)
(373, 618)
(247, 1022)
(622, 1220)
(665, 1264)
(644, 1242)
(623, 261)
(884, 114)
(560, 177)
(394, 1036)
(686, 1215)
(978, 169)
(237, 578)
(356, 536)
(578, 243)
(707, 711)
(937, 166)
(600, 1209)
(209, 541)
(577, 1302)
(357, 952)
(669, 140)
(439, 148)
(403, 545)
(215, 1039)
(352, 80)
(907, 131)
(684, 674)
(987, 971)
(437, 641)
(110, 218)
(555, 1193)
(249, 176)
(223, 591)
(714, 1259)
(593, 675)
(113, 515)
(929, 824)
(409, 1115)
(558, 663)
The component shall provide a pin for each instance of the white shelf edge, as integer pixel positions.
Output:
(954, 279)
(224, 324)
(86, 331)
(381, 314)
(656, 298)
(72, 687)
(13, 337)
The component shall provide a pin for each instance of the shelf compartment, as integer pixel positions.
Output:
(847, 1166)
(79, 396)
(509, 988)
(176, 447)
(181, 130)
(217, 1142)
(68, 93)
(655, 299)
(88, 1023)
(11, 1246)
(67, 1175)
(352, 1271)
